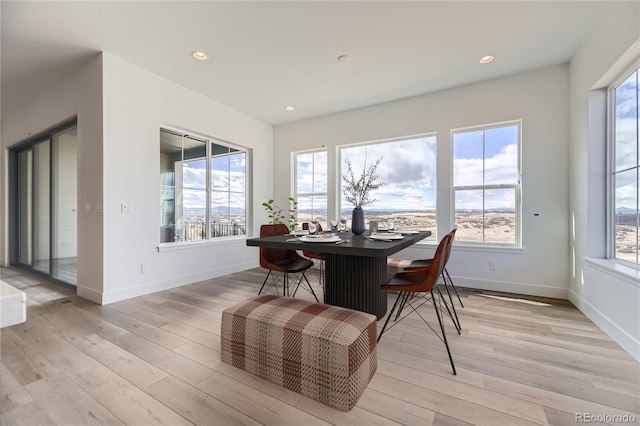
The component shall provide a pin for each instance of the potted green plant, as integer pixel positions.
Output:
(276, 213)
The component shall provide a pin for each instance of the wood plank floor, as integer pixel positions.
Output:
(156, 360)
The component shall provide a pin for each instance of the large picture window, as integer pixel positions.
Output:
(408, 170)
(202, 188)
(310, 179)
(625, 178)
(486, 190)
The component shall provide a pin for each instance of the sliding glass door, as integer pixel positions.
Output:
(64, 235)
(46, 187)
(25, 197)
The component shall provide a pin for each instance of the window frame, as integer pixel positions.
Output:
(611, 169)
(516, 186)
(294, 180)
(339, 180)
(209, 140)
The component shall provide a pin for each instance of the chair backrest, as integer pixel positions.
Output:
(428, 277)
(305, 226)
(452, 235)
(270, 255)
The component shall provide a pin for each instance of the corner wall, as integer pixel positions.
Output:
(136, 104)
(609, 299)
(540, 99)
(79, 93)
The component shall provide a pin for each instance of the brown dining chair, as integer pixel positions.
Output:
(446, 278)
(317, 256)
(415, 288)
(445, 275)
(283, 261)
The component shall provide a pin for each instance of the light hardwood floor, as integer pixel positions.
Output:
(156, 360)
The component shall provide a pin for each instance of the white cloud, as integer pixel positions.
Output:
(501, 168)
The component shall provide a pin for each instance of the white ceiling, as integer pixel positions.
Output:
(266, 55)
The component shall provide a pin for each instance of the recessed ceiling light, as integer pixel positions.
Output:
(201, 56)
(289, 108)
(344, 58)
(486, 59)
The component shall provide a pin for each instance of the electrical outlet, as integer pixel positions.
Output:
(143, 269)
(126, 208)
(492, 266)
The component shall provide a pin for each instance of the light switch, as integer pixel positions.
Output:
(87, 207)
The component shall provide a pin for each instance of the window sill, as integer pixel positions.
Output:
(623, 272)
(457, 246)
(199, 244)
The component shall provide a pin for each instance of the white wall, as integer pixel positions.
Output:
(79, 93)
(540, 99)
(136, 104)
(610, 299)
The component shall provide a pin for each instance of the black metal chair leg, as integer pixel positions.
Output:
(453, 286)
(454, 317)
(310, 288)
(308, 284)
(405, 299)
(446, 305)
(264, 282)
(285, 285)
(395, 305)
(444, 336)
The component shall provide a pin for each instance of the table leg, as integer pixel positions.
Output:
(354, 282)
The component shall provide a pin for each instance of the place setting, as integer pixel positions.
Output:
(385, 236)
(381, 231)
(320, 238)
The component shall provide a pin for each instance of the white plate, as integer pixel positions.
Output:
(321, 238)
(408, 232)
(386, 236)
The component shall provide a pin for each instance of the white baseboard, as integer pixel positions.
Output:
(621, 337)
(90, 294)
(511, 287)
(152, 287)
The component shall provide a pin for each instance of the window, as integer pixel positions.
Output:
(486, 176)
(624, 162)
(202, 188)
(408, 170)
(310, 179)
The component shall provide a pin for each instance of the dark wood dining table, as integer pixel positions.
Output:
(354, 270)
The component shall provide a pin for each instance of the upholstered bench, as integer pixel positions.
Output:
(396, 265)
(324, 352)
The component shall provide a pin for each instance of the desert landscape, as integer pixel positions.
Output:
(500, 226)
(627, 240)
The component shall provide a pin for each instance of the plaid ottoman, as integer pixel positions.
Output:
(324, 352)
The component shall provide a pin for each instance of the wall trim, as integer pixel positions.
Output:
(153, 287)
(621, 337)
(90, 294)
(511, 287)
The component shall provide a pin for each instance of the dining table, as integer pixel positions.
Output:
(355, 265)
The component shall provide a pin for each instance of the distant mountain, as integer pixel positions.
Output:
(625, 210)
(223, 209)
(220, 209)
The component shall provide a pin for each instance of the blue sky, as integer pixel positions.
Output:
(498, 165)
(227, 182)
(626, 183)
(408, 170)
